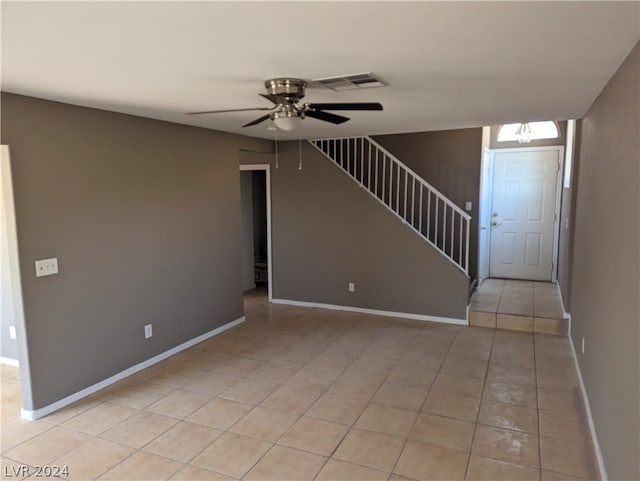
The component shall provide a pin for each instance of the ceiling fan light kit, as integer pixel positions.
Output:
(287, 119)
(287, 113)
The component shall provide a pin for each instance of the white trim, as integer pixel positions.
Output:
(38, 413)
(564, 310)
(533, 147)
(267, 169)
(484, 210)
(377, 312)
(9, 362)
(568, 155)
(556, 226)
(9, 212)
(592, 428)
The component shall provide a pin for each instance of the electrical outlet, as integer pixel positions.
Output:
(148, 331)
(12, 332)
(352, 287)
(582, 346)
(47, 267)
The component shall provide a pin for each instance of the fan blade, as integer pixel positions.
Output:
(347, 106)
(326, 116)
(271, 98)
(229, 110)
(257, 121)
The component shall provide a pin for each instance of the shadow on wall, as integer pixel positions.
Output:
(449, 160)
(328, 232)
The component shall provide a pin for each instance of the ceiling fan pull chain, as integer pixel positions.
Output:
(299, 151)
(275, 133)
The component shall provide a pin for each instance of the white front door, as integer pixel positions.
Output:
(523, 212)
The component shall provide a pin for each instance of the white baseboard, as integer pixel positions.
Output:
(592, 428)
(565, 314)
(8, 361)
(38, 413)
(376, 312)
(564, 310)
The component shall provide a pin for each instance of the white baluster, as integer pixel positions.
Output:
(444, 227)
(384, 174)
(398, 189)
(369, 169)
(428, 214)
(413, 200)
(460, 247)
(466, 254)
(406, 191)
(435, 237)
(453, 216)
(420, 209)
(361, 166)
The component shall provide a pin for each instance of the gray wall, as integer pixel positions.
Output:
(327, 232)
(144, 218)
(605, 286)
(568, 224)
(246, 195)
(450, 161)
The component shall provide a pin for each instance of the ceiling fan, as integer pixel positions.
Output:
(287, 114)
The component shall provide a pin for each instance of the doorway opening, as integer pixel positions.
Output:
(520, 194)
(16, 378)
(255, 189)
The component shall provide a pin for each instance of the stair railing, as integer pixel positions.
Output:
(416, 202)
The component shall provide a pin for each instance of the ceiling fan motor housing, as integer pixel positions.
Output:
(291, 89)
(287, 113)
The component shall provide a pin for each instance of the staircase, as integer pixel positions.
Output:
(418, 204)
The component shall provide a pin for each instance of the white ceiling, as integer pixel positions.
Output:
(448, 64)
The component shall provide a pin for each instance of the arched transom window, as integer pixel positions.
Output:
(527, 131)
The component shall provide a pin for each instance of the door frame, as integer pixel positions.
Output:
(486, 189)
(484, 207)
(9, 213)
(267, 169)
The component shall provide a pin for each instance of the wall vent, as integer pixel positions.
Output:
(351, 82)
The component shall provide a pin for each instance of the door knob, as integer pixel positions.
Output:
(495, 214)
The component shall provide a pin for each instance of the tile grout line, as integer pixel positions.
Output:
(535, 367)
(302, 414)
(136, 450)
(475, 425)
(392, 362)
(393, 469)
(322, 394)
(365, 408)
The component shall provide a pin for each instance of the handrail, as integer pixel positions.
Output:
(360, 163)
(418, 178)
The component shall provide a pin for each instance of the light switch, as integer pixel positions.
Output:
(47, 267)
(468, 205)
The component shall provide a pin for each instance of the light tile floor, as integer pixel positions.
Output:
(518, 305)
(298, 393)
